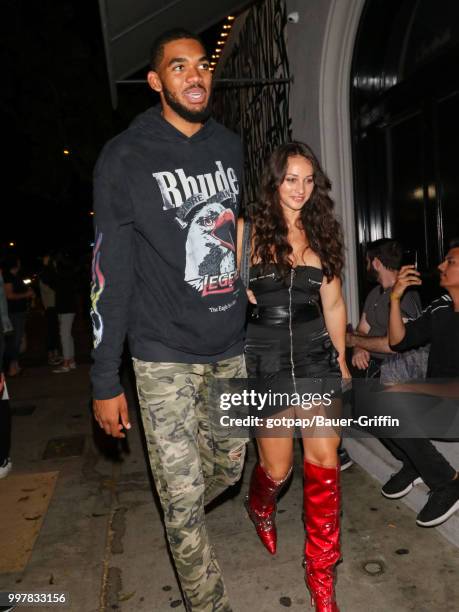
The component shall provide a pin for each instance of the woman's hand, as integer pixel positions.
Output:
(407, 277)
(251, 296)
(346, 382)
(344, 370)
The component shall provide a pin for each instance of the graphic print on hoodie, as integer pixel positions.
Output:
(209, 220)
(165, 265)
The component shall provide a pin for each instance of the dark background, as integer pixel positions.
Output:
(405, 128)
(55, 97)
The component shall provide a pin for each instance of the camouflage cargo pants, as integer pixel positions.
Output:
(190, 465)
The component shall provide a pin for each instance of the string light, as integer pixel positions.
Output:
(222, 40)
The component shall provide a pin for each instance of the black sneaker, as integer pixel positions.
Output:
(401, 483)
(345, 461)
(443, 502)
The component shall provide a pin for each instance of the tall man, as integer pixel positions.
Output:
(167, 194)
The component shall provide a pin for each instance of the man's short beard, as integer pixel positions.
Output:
(197, 116)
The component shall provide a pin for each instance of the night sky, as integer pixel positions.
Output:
(55, 97)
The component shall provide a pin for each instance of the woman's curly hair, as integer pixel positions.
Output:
(317, 218)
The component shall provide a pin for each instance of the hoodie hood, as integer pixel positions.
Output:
(152, 122)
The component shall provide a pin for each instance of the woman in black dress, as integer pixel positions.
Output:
(292, 251)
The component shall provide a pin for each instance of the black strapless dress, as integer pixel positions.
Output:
(297, 346)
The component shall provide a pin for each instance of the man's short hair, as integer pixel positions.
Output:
(157, 48)
(453, 244)
(388, 251)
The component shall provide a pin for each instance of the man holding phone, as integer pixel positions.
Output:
(439, 326)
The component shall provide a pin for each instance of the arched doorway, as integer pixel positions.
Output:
(405, 124)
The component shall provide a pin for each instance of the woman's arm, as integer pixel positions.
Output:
(240, 231)
(335, 316)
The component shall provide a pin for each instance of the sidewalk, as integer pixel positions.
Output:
(102, 539)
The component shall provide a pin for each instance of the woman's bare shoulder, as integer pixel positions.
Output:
(312, 259)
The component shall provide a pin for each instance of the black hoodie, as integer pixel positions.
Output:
(164, 263)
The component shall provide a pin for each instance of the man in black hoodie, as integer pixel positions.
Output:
(167, 194)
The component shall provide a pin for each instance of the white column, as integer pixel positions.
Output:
(335, 128)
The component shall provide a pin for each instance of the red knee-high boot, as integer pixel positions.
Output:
(322, 546)
(261, 505)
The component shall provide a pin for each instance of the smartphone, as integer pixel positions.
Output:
(410, 258)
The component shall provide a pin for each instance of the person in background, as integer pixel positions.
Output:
(369, 341)
(66, 307)
(47, 280)
(18, 295)
(439, 326)
(5, 412)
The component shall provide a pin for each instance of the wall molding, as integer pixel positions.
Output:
(335, 128)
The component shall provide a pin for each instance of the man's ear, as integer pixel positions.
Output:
(376, 263)
(154, 81)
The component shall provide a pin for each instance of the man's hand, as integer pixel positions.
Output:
(109, 412)
(350, 340)
(360, 358)
(407, 277)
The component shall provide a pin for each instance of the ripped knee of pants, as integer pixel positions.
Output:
(238, 453)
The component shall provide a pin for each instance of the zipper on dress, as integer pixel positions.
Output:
(256, 278)
(292, 363)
